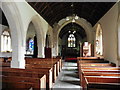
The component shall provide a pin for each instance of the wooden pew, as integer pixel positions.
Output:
(58, 59)
(39, 66)
(100, 74)
(95, 67)
(93, 61)
(35, 80)
(48, 73)
(4, 64)
(97, 64)
(1, 59)
(78, 58)
(88, 61)
(45, 61)
(83, 74)
(101, 82)
(99, 70)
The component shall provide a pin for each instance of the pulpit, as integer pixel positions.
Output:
(86, 49)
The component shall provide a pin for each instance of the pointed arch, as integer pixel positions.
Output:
(99, 40)
(39, 34)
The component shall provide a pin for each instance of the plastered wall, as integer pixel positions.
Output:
(109, 24)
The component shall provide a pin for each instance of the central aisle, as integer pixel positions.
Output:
(68, 77)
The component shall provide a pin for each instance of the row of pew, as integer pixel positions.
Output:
(98, 74)
(39, 73)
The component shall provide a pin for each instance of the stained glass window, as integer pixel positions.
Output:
(31, 46)
(71, 40)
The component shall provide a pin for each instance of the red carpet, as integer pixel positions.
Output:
(70, 59)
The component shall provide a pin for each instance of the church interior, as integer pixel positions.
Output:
(59, 45)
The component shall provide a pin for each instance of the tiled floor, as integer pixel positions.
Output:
(68, 78)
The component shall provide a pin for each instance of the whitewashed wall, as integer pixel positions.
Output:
(109, 24)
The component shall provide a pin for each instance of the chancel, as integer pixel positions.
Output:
(59, 45)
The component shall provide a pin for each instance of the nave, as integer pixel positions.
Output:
(39, 41)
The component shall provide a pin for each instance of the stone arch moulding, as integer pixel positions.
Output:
(13, 17)
(39, 33)
(82, 22)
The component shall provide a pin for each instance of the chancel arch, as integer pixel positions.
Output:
(70, 38)
(82, 22)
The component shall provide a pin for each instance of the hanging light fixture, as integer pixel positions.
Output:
(67, 18)
(73, 20)
(76, 17)
(73, 16)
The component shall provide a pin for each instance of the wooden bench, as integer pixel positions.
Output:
(48, 73)
(101, 82)
(44, 61)
(100, 71)
(93, 61)
(40, 62)
(59, 60)
(100, 74)
(1, 59)
(78, 58)
(95, 67)
(83, 74)
(39, 66)
(35, 80)
(4, 64)
(97, 64)
(87, 62)
(101, 68)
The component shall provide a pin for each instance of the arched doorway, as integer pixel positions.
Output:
(70, 38)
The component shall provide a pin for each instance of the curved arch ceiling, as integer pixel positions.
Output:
(55, 11)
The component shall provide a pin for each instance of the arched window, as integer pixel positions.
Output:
(99, 41)
(30, 46)
(6, 42)
(71, 40)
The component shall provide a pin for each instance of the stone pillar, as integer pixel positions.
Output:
(18, 57)
(41, 53)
